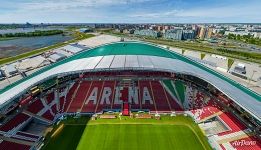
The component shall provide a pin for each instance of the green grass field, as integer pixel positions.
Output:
(178, 133)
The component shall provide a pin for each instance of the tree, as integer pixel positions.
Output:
(35, 33)
(222, 32)
(238, 37)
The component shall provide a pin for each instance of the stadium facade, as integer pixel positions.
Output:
(128, 76)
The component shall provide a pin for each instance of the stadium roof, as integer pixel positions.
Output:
(139, 56)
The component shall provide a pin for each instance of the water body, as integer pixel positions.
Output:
(21, 45)
(25, 30)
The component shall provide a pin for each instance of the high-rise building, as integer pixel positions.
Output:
(188, 34)
(173, 34)
(166, 27)
(151, 33)
(196, 29)
(205, 33)
(209, 33)
(202, 32)
(178, 34)
(160, 28)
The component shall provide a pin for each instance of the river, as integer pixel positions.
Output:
(21, 45)
(25, 30)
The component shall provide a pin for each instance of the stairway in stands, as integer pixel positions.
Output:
(125, 84)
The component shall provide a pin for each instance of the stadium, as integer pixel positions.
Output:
(129, 95)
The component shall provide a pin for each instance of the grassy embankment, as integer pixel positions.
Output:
(7, 38)
(201, 47)
(247, 56)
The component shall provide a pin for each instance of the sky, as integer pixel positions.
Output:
(130, 11)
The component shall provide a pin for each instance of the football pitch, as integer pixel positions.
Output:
(179, 133)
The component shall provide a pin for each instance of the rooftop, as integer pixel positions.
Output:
(137, 55)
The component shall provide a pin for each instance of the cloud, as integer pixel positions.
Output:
(157, 14)
(236, 12)
(129, 11)
(61, 5)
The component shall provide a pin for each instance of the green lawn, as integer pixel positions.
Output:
(175, 133)
(138, 136)
(68, 139)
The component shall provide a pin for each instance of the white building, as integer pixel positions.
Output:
(241, 33)
(257, 35)
(151, 33)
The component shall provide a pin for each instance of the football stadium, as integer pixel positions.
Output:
(129, 95)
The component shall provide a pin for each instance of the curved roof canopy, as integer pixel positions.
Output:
(139, 56)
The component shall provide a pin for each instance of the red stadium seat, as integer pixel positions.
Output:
(48, 115)
(50, 98)
(14, 122)
(5, 145)
(146, 96)
(69, 95)
(107, 96)
(161, 100)
(93, 96)
(80, 96)
(36, 106)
